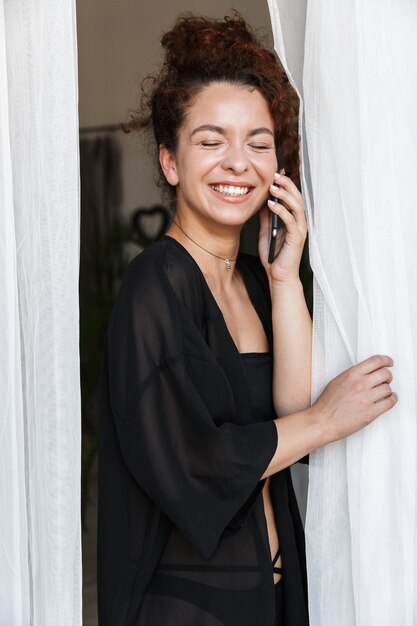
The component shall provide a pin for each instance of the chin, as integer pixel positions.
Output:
(232, 216)
(235, 221)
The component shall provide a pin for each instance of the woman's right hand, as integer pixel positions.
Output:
(355, 398)
(350, 402)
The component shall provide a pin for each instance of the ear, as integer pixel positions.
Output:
(168, 165)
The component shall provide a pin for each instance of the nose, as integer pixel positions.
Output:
(235, 160)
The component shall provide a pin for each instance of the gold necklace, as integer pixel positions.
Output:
(227, 262)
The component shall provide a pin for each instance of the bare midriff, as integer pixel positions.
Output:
(271, 526)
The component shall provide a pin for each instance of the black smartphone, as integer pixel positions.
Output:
(276, 224)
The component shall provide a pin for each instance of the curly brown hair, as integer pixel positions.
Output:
(200, 51)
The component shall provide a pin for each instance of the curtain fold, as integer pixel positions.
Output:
(353, 65)
(40, 432)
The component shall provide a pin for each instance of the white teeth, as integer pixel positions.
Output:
(231, 190)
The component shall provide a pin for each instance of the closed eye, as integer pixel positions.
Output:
(210, 144)
(260, 147)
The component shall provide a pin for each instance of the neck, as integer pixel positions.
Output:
(214, 249)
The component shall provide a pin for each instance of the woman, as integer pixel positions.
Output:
(206, 349)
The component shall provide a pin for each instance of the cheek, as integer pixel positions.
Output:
(266, 170)
(200, 165)
(208, 159)
(265, 164)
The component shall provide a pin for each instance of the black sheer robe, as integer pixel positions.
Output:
(182, 531)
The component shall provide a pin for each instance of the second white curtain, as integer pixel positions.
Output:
(354, 66)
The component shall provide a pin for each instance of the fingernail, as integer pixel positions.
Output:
(277, 175)
(272, 202)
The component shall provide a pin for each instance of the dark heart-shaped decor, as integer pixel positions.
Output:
(149, 223)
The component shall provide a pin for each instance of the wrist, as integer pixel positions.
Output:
(291, 285)
(317, 425)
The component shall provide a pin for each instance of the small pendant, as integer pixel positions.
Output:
(228, 264)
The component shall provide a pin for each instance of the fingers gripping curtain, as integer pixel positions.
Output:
(40, 555)
(353, 65)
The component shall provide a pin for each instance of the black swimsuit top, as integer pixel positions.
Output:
(257, 368)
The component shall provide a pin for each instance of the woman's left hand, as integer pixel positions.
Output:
(290, 209)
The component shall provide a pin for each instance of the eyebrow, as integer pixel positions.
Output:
(218, 129)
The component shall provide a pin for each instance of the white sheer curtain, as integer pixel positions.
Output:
(355, 66)
(40, 554)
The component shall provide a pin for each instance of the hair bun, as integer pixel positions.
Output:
(198, 41)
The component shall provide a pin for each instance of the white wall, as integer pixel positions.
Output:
(118, 45)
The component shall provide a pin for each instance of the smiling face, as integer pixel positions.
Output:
(225, 158)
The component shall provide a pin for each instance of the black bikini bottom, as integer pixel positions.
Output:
(279, 599)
